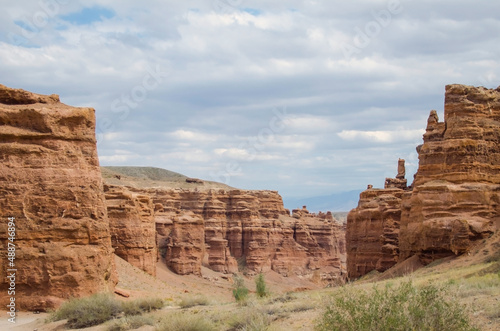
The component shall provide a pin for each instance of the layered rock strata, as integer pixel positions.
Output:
(455, 197)
(373, 230)
(50, 182)
(132, 227)
(241, 230)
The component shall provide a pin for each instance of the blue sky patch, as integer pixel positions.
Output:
(253, 11)
(89, 15)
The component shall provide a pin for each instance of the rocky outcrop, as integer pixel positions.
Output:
(50, 182)
(231, 230)
(373, 230)
(132, 227)
(455, 197)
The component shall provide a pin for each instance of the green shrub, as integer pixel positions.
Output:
(192, 301)
(186, 322)
(140, 306)
(131, 323)
(240, 291)
(89, 311)
(260, 284)
(402, 308)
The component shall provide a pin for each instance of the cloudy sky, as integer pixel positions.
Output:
(306, 97)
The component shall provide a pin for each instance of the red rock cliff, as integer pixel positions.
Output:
(132, 227)
(456, 196)
(373, 230)
(251, 230)
(50, 182)
(455, 199)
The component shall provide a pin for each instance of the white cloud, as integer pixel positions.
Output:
(189, 135)
(381, 136)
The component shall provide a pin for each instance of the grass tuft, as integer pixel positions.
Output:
(131, 323)
(193, 301)
(185, 322)
(141, 306)
(251, 319)
(86, 312)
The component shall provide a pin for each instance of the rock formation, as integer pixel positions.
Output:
(132, 227)
(373, 228)
(231, 230)
(455, 197)
(51, 183)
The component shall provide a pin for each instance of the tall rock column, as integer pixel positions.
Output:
(50, 182)
(373, 230)
(456, 196)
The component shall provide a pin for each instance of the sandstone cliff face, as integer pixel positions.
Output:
(132, 227)
(246, 230)
(373, 230)
(50, 182)
(455, 197)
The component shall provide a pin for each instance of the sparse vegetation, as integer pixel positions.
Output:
(403, 308)
(89, 311)
(261, 286)
(101, 307)
(141, 306)
(250, 319)
(185, 322)
(192, 301)
(240, 291)
(301, 306)
(288, 296)
(131, 323)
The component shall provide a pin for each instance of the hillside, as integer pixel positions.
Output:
(151, 177)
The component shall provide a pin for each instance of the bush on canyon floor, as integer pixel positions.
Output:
(250, 319)
(131, 323)
(101, 307)
(403, 308)
(140, 306)
(186, 322)
(89, 311)
(240, 291)
(191, 301)
(261, 286)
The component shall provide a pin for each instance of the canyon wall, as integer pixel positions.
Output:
(373, 230)
(250, 231)
(132, 227)
(454, 200)
(50, 182)
(456, 195)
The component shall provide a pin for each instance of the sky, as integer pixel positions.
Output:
(309, 98)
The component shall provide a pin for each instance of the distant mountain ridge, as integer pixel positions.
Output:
(150, 177)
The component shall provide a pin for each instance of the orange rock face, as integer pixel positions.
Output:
(50, 182)
(456, 196)
(246, 230)
(455, 199)
(373, 231)
(132, 227)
